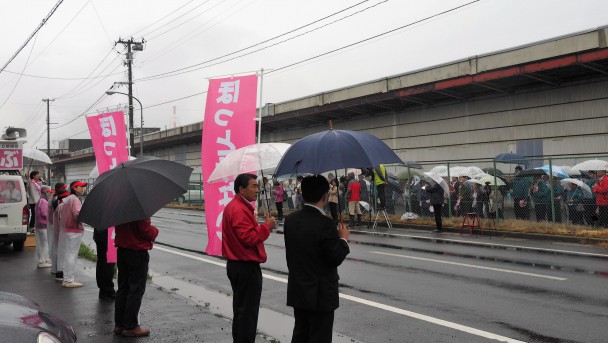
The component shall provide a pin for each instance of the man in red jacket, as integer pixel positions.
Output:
(243, 247)
(133, 241)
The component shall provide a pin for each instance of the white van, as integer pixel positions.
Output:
(14, 211)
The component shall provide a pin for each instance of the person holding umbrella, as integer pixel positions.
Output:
(574, 197)
(243, 247)
(314, 249)
(42, 247)
(437, 195)
(133, 240)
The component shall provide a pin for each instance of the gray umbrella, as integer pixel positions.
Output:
(134, 190)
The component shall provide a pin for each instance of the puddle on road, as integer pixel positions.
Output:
(270, 323)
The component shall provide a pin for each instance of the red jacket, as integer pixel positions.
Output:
(601, 191)
(242, 237)
(137, 235)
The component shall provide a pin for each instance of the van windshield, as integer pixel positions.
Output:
(10, 191)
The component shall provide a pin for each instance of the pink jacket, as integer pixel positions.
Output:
(278, 193)
(42, 208)
(68, 213)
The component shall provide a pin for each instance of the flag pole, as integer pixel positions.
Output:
(265, 204)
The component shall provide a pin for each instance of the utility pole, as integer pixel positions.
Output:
(48, 136)
(131, 46)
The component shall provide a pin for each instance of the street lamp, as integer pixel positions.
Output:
(141, 129)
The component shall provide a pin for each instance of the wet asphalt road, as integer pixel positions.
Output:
(406, 286)
(420, 287)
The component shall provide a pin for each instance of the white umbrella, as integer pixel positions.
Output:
(490, 179)
(591, 165)
(440, 170)
(436, 178)
(570, 171)
(262, 157)
(586, 189)
(95, 172)
(472, 170)
(458, 171)
(37, 155)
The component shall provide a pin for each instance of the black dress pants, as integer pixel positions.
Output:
(311, 326)
(381, 195)
(105, 271)
(437, 211)
(132, 277)
(246, 281)
(32, 215)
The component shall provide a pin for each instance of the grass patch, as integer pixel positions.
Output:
(87, 252)
(514, 225)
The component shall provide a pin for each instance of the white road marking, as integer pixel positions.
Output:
(472, 266)
(396, 310)
(569, 252)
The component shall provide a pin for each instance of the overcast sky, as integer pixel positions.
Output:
(73, 57)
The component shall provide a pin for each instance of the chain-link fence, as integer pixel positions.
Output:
(545, 189)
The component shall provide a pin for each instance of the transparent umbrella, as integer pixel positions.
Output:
(37, 155)
(263, 157)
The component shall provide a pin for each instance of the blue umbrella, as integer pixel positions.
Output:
(558, 172)
(510, 158)
(335, 149)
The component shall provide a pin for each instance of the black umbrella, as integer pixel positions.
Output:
(134, 190)
(531, 172)
(510, 158)
(335, 149)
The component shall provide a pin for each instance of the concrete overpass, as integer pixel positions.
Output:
(545, 98)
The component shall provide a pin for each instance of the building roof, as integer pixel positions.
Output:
(580, 57)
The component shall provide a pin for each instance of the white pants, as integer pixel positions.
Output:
(42, 247)
(67, 253)
(53, 237)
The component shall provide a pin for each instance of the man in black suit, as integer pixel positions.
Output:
(314, 249)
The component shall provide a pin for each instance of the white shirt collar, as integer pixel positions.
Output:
(320, 209)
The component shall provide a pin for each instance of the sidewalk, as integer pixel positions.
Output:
(170, 318)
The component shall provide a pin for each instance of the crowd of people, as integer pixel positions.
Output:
(53, 218)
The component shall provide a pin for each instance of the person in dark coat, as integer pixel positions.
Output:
(133, 240)
(437, 194)
(104, 271)
(314, 249)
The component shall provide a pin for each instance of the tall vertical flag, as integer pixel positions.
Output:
(108, 134)
(229, 125)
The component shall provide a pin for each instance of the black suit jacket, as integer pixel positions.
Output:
(314, 251)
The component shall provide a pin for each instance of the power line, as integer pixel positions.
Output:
(32, 35)
(186, 21)
(19, 79)
(158, 20)
(338, 49)
(57, 36)
(180, 16)
(256, 44)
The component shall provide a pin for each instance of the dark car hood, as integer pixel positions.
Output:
(21, 318)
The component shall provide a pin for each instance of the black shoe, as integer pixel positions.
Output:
(437, 231)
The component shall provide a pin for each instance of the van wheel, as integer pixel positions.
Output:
(18, 246)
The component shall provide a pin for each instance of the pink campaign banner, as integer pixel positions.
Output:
(11, 155)
(229, 125)
(109, 136)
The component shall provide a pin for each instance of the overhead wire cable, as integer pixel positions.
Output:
(201, 29)
(187, 21)
(159, 20)
(32, 35)
(19, 78)
(177, 18)
(257, 44)
(101, 22)
(89, 78)
(58, 35)
(373, 37)
(84, 113)
(335, 50)
(33, 115)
